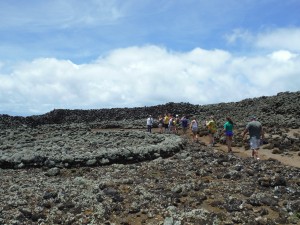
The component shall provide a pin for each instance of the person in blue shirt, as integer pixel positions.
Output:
(184, 124)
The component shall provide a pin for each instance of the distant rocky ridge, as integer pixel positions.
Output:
(281, 110)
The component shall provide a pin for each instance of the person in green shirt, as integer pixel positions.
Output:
(228, 130)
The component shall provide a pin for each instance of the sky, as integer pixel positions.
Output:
(94, 54)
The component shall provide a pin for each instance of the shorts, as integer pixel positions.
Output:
(195, 130)
(160, 125)
(166, 125)
(229, 133)
(254, 143)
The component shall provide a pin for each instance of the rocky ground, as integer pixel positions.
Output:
(56, 170)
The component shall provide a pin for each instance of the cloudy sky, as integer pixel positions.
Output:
(74, 54)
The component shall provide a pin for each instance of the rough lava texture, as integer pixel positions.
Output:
(101, 167)
(77, 145)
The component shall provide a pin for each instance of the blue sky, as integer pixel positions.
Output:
(116, 53)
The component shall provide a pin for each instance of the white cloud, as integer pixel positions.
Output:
(282, 55)
(273, 73)
(272, 39)
(148, 75)
(283, 38)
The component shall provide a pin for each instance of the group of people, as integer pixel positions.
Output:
(171, 124)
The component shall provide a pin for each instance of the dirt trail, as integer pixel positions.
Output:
(290, 159)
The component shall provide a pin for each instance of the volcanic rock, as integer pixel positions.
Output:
(102, 167)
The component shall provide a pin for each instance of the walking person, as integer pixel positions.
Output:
(160, 123)
(184, 124)
(166, 122)
(194, 128)
(255, 130)
(171, 124)
(176, 124)
(228, 131)
(212, 129)
(149, 123)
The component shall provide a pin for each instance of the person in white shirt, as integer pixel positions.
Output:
(194, 128)
(149, 123)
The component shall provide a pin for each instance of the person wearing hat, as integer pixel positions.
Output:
(255, 130)
(149, 123)
(176, 124)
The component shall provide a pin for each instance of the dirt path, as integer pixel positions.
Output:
(290, 159)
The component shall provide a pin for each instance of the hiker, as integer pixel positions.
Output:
(184, 124)
(160, 123)
(176, 124)
(166, 122)
(255, 130)
(194, 128)
(212, 129)
(149, 123)
(228, 131)
(171, 125)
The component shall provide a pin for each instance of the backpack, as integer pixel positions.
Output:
(212, 127)
(166, 120)
(184, 122)
(175, 121)
(194, 125)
